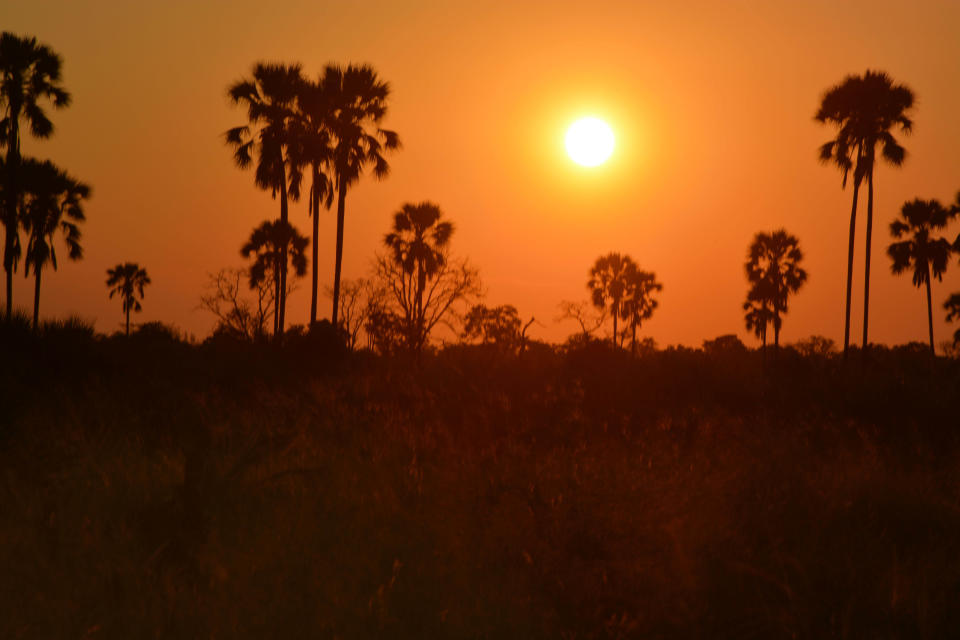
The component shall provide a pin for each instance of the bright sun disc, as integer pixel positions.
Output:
(589, 142)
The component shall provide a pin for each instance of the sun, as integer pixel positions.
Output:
(589, 141)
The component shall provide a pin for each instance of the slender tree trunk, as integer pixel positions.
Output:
(763, 342)
(282, 300)
(930, 314)
(866, 272)
(853, 228)
(9, 204)
(276, 304)
(776, 334)
(315, 206)
(36, 298)
(616, 312)
(633, 339)
(128, 321)
(341, 201)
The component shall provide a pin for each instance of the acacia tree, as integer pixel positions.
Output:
(638, 303)
(29, 76)
(608, 284)
(919, 250)
(270, 98)
(423, 284)
(864, 109)
(128, 281)
(272, 245)
(356, 103)
(53, 202)
(774, 272)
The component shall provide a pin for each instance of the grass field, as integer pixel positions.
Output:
(152, 488)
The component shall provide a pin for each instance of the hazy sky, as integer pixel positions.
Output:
(711, 102)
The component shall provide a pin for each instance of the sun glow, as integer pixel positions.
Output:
(589, 141)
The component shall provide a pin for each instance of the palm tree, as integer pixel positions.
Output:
(638, 303)
(920, 250)
(54, 203)
(311, 146)
(418, 245)
(29, 74)
(609, 278)
(864, 109)
(774, 272)
(128, 280)
(272, 244)
(757, 317)
(270, 97)
(357, 105)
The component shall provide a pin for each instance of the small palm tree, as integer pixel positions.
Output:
(270, 98)
(952, 306)
(608, 284)
(638, 303)
(128, 280)
(920, 251)
(758, 316)
(29, 75)
(54, 203)
(272, 244)
(774, 272)
(357, 104)
(864, 109)
(418, 245)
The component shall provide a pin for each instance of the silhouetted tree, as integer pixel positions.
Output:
(358, 299)
(638, 303)
(236, 315)
(311, 147)
(581, 313)
(921, 251)
(774, 272)
(29, 75)
(356, 102)
(270, 98)
(864, 109)
(128, 281)
(608, 283)
(273, 244)
(422, 282)
(952, 306)
(53, 202)
(757, 316)
(500, 326)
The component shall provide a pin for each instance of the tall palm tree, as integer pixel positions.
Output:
(418, 245)
(54, 202)
(272, 244)
(774, 272)
(357, 105)
(608, 281)
(920, 250)
(270, 98)
(128, 280)
(638, 303)
(311, 147)
(864, 109)
(29, 75)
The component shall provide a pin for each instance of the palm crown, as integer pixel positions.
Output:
(128, 281)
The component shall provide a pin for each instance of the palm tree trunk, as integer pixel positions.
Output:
(615, 314)
(341, 201)
(315, 206)
(9, 203)
(633, 339)
(853, 228)
(282, 299)
(36, 298)
(276, 303)
(930, 314)
(776, 335)
(866, 272)
(128, 321)
(8, 267)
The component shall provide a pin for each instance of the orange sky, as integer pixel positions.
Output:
(712, 104)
